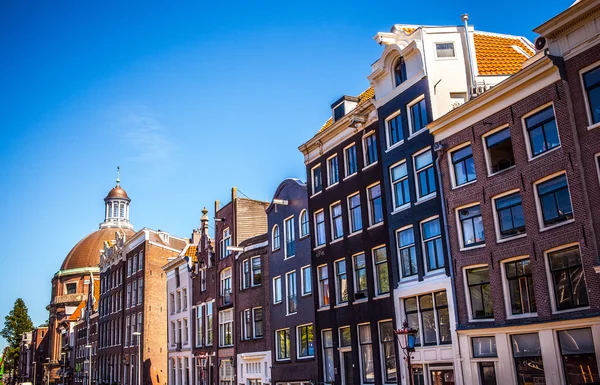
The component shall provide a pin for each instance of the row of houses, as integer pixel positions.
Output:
(447, 233)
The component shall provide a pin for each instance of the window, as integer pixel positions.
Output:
(360, 276)
(444, 50)
(432, 244)
(426, 310)
(527, 353)
(418, 116)
(71, 288)
(485, 347)
(306, 344)
(345, 337)
(471, 226)
(509, 215)
(407, 252)
(399, 72)
(320, 228)
(141, 260)
(424, 174)
(570, 290)
(355, 213)
(555, 200)
(591, 84)
(332, 171)
(226, 328)
(341, 282)
(135, 263)
(401, 191)
(225, 243)
(382, 277)
(328, 363)
(290, 246)
(199, 325)
(337, 227)
(520, 286)
(323, 286)
(350, 160)
(246, 325)
(388, 354)
(542, 131)
(370, 148)
(499, 151)
(366, 353)
(578, 356)
(317, 184)
(478, 281)
(306, 281)
(339, 111)
(375, 204)
(277, 290)
(209, 324)
(463, 165)
(304, 226)
(141, 293)
(291, 292)
(226, 286)
(185, 328)
(257, 322)
(276, 239)
(256, 271)
(282, 340)
(394, 129)
(245, 274)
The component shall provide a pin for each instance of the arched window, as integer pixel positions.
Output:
(304, 223)
(276, 239)
(115, 209)
(399, 71)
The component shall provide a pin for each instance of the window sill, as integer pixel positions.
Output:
(285, 259)
(435, 273)
(349, 176)
(521, 316)
(454, 187)
(305, 295)
(371, 165)
(375, 225)
(332, 185)
(315, 194)
(303, 236)
(283, 359)
(340, 305)
(355, 233)
(426, 198)
(359, 301)
(531, 159)
(393, 146)
(320, 247)
(570, 310)
(557, 225)
(277, 303)
(289, 314)
(481, 320)
(472, 247)
(324, 308)
(337, 240)
(502, 240)
(595, 125)
(401, 208)
(414, 278)
(422, 130)
(306, 358)
(382, 296)
(501, 171)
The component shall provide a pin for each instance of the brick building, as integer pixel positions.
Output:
(350, 264)
(39, 346)
(517, 181)
(253, 337)
(291, 302)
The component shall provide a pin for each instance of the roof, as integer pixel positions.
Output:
(77, 313)
(497, 54)
(86, 253)
(117, 192)
(191, 251)
(367, 94)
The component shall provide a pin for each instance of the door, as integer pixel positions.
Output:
(442, 377)
(348, 378)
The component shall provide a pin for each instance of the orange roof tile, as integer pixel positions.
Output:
(408, 30)
(497, 55)
(367, 94)
(96, 293)
(77, 313)
(191, 251)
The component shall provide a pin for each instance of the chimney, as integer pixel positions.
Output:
(233, 193)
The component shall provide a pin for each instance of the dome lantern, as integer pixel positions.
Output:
(116, 211)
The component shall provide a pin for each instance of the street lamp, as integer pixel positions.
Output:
(406, 338)
(139, 336)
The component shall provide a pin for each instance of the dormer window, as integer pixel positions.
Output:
(444, 50)
(338, 112)
(399, 72)
(343, 106)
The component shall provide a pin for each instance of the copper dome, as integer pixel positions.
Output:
(86, 253)
(117, 192)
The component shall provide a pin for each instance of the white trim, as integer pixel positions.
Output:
(287, 292)
(329, 171)
(493, 199)
(538, 204)
(468, 292)
(365, 156)
(583, 71)
(285, 256)
(409, 106)
(396, 232)
(349, 212)
(360, 361)
(338, 301)
(346, 175)
(506, 289)
(312, 180)
(454, 184)
(304, 211)
(423, 250)
(316, 224)
(275, 290)
(277, 345)
(298, 342)
(530, 155)
(319, 293)
(461, 238)
(435, 49)
(371, 225)
(387, 130)
(597, 161)
(331, 223)
(375, 282)
(302, 286)
(275, 247)
(415, 176)
(395, 207)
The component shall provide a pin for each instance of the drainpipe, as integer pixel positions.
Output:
(440, 148)
(473, 87)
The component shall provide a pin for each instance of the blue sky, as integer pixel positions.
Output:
(189, 98)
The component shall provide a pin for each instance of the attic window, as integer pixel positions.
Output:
(71, 288)
(338, 112)
(399, 72)
(444, 50)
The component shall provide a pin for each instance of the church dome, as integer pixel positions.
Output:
(86, 252)
(117, 193)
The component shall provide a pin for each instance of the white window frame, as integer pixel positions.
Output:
(360, 360)
(274, 246)
(253, 319)
(338, 301)
(287, 292)
(416, 177)
(319, 291)
(449, 153)
(387, 131)
(538, 203)
(459, 230)
(506, 289)
(499, 238)
(252, 283)
(331, 223)
(298, 342)
(382, 357)
(246, 336)
(468, 292)
(583, 71)
(435, 49)
(222, 339)
(303, 281)
(415, 239)
(411, 131)
(277, 345)
(327, 162)
(486, 152)
(346, 174)
(364, 144)
(317, 244)
(406, 205)
(369, 210)
(349, 212)
(275, 281)
(223, 246)
(378, 293)
(530, 156)
(285, 235)
(300, 230)
(199, 325)
(312, 179)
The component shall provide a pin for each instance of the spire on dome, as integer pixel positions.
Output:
(118, 176)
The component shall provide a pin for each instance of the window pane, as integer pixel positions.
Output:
(345, 338)
(484, 347)
(526, 345)
(423, 160)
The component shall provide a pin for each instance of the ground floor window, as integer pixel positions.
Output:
(442, 376)
(487, 373)
(579, 360)
(417, 375)
(253, 381)
(528, 359)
